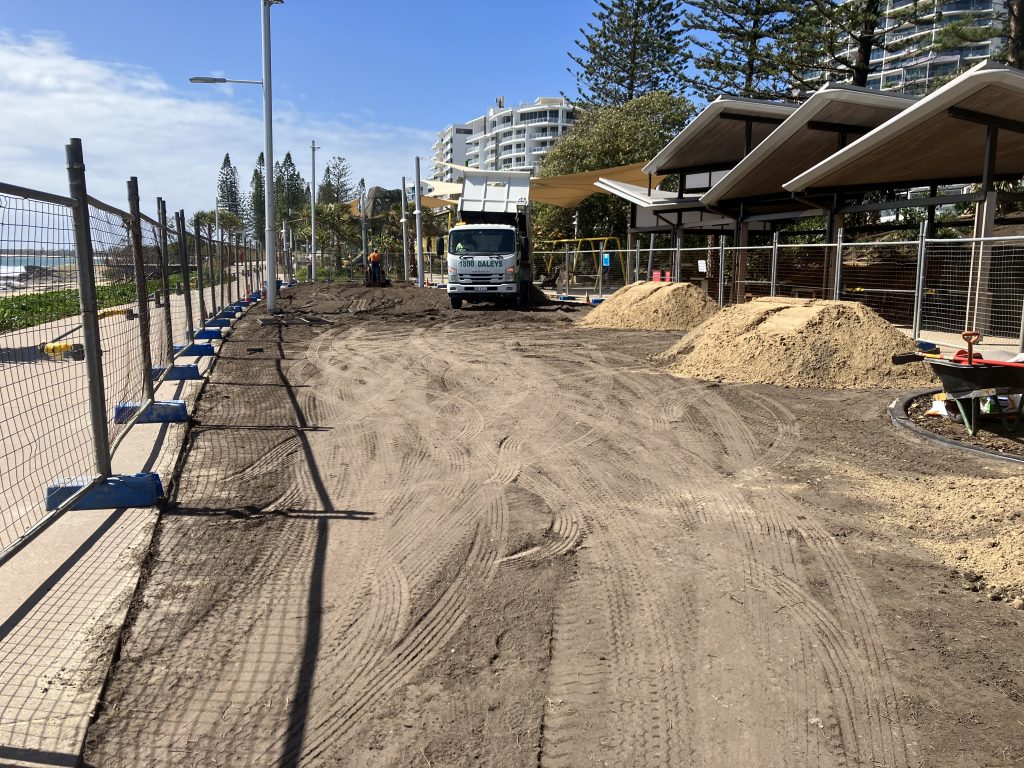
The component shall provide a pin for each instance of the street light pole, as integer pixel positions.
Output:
(268, 154)
(405, 234)
(312, 217)
(419, 229)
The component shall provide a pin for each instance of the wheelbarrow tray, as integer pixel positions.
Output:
(961, 380)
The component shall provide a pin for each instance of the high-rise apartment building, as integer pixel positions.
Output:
(504, 139)
(907, 59)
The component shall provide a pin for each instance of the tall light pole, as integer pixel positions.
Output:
(418, 210)
(312, 217)
(268, 151)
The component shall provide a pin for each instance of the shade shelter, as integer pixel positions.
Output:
(829, 120)
(970, 131)
(710, 145)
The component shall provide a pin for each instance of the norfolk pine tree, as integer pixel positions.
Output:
(632, 47)
(228, 196)
(738, 52)
(256, 213)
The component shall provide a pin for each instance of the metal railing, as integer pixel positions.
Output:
(96, 304)
(934, 288)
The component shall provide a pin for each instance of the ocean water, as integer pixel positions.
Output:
(13, 265)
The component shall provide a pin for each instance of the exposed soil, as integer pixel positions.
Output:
(797, 343)
(411, 536)
(653, 307)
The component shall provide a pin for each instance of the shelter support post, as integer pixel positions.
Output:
(922, 249)
(835, 225)
(739, 281)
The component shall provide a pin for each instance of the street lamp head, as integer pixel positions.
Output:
(207, 79)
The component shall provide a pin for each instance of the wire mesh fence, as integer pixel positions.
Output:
(96, 302)
(44, 427)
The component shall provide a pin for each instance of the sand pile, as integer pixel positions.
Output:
(653, 307)
(798, 343)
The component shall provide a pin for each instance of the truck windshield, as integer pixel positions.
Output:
(486, 241)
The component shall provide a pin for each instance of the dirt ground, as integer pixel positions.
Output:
(411, 536)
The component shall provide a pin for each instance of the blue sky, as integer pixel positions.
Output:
(370, 81)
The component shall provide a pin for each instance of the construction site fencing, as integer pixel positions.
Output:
(96, 304)
(933, 288)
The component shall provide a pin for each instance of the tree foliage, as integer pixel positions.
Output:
(737, 48)
(336, 184)
(633, 47)
(291, 192)
(256, 213)
(605, 137)
(229, 197)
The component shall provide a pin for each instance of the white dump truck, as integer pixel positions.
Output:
(488, 250)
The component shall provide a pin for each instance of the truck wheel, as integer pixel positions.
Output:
(456, 301)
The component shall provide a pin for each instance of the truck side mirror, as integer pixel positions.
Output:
(440, 246)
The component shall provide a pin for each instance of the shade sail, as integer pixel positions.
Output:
(571, 189)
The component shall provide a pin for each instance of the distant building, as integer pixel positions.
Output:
(910, 65)
(505, 139)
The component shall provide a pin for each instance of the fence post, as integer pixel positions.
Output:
(721, 271)
(239, 296)
(922, 250)
(186, 278)
(837, 283)
(141, 289)
(87, 301)
(600, 270)
(199, 273)
(165, 279)
(566, 270)
(677, 257)
(775, 263)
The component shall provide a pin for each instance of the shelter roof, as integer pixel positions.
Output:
(816, 130)
(716, 138)
(938, 140)
(656, 199)
(566, 191)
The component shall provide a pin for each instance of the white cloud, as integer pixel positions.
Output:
(132, 123)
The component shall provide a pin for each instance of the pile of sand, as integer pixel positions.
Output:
(798, 343)
(653, 307)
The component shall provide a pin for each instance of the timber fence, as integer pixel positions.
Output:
(98, 307)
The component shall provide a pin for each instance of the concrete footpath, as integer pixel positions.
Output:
(64, 600)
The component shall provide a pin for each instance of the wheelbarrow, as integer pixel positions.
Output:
(967, 379)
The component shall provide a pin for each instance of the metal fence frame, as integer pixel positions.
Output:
(123, 254)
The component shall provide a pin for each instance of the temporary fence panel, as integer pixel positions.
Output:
(881, 276)
(754, 263)
(124, 370)
(803, 270)
(44, 423)
(974, 285)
